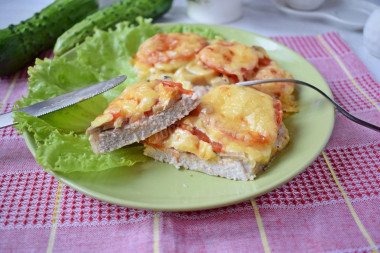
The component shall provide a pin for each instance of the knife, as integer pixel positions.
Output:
(62, 101)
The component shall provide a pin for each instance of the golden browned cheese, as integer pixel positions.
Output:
(229, 62)
(197, 73)
(183, 140)
(230, 58)
(230, 119)
(165, 48)
(193, 63)
(163, 54)
(138, 100)
(222, 63)
(284, 91)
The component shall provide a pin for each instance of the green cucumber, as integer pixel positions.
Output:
(20, 44)
(124, 10)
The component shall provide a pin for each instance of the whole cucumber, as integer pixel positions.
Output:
(20, 44)
(124, 10)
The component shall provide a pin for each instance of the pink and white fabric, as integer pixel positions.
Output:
(333, 206)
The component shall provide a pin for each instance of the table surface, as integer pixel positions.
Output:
(333, 206)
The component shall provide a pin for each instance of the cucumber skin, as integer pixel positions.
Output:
(20, 44)
(124, 10)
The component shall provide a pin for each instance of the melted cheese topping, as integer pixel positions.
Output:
(165, 71)
(220, 63)
(168, 48)
(138, 100)
(197, 73)
(280, 90)
(184, 141)
(161, 55)
(240, 119)
(230, 58)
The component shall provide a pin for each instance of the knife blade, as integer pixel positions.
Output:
(62, 101)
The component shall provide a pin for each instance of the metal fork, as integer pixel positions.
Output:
(337, 106)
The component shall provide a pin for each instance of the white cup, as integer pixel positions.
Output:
(305, 5)
(371, 33)
(214, 11)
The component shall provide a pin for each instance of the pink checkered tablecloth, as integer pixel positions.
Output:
(333, 206)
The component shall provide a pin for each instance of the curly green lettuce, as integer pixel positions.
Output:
(68, 152)
(59, 138)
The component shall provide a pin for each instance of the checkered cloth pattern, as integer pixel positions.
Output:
(333, 206)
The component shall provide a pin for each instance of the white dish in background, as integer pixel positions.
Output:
(305, 5)
(371, 33)
(214, 11)
(350, 14)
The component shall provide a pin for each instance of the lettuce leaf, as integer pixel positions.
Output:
(101, 57)
(68, 152)
(59, 139)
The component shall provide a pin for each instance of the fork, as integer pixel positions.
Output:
(337, 106)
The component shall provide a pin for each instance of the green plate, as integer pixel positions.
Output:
(160, 186)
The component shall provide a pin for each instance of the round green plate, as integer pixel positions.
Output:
(160, 186)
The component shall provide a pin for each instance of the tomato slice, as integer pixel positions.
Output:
(264, 61)
(178, 86)
(216, 146)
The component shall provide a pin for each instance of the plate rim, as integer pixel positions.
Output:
(215, 204)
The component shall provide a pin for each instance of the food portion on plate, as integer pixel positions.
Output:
(234, 132)
(163, 54)
(141, 110)
(198, 63)
(60, 145)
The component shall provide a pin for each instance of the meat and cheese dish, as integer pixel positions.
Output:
(126, 118)
(234, 132)
(165, 53)
(211, 63)
(231, 131)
